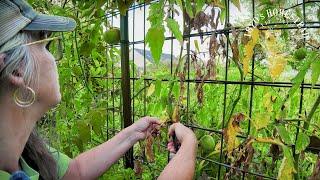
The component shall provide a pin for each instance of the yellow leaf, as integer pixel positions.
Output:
(248, 49)
(271, 45)
(255, 35)
(232, 141)
(277, 60)
(232, 131)
(261, 120)
(277, 64)
(286, 170)
(175, 115)
(151, 90)
(248, 53)
(267, 103)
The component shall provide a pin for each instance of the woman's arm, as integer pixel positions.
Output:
(93, 163)
(182, 166)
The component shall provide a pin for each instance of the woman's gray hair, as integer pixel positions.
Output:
(16, 56)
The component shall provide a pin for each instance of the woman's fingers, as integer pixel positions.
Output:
(153, 120)
(172, 129)
(170, 147)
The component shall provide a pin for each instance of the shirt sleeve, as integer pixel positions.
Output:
(62, 160)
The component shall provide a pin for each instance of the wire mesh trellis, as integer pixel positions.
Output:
(130, 74)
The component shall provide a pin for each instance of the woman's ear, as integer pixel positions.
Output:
(16, 78)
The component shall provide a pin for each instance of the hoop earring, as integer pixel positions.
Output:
(22, 103)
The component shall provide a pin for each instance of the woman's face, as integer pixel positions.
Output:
(47, 86)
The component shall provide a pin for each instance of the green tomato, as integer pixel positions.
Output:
(207, 143)
(112, 36)
(300, 53)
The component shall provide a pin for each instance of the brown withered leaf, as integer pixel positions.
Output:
(316, 171)
(314, 145)
(213, 45)
(149, 149)
(242, 157)
(234, 46)
(138, 170)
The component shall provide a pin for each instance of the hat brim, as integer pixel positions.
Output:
(44, 22)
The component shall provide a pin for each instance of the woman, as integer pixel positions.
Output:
(29, 88)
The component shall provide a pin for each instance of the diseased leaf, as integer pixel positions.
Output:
(174, 28)
(155, 39)
(277, 63)
(150, 90)
(248, 49)
(255, 35)
(302, 142)
(236, 3)
(261, 121)
(286, 170)
(277, 60)
(316, 171)
(175, 115)
(231, 132)
(149, 149)
(315, 67)
(248, 53)
(284, 134)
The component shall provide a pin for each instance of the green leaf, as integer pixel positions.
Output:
(156, 14)
(286, 169)
(236, 3)
(84, 132)
(158, 87)
(174, 28)
(298, 12)
(315, 67)
(199, 5)
(297, 80)
(189, 9)
(302, 142)
(222, 16)
(155, 39)
(284, 134)
(97, 118)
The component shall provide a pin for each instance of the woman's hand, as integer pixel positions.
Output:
(183, 134)
(145, 126)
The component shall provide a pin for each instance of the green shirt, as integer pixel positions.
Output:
(62, 164)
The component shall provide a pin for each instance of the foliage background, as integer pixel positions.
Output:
(90, 111)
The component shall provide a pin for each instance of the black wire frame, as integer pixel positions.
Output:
(252, 83)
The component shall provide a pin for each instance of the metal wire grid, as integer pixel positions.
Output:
(252, 83)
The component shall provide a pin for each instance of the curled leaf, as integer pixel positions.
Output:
(149, 149)
(231, 132)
